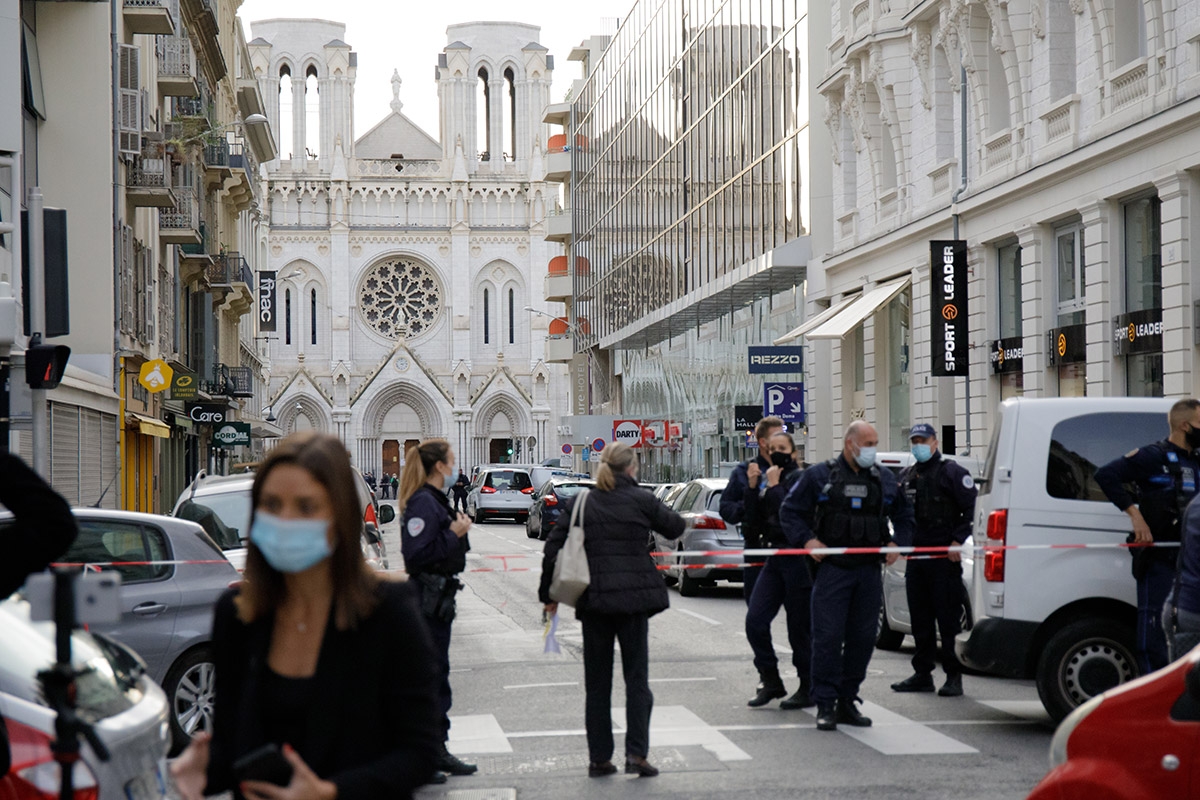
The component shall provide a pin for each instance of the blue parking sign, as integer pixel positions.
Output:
(784, 400)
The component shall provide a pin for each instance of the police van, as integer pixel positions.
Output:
(1065, 617)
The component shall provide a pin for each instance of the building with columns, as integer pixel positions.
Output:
(404, 263)
(1081, 165)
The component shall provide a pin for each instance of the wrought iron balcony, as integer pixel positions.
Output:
(148, 16)
(176, 67)
(180, 223)
(230, 381)
(228, 269)
(148, 181)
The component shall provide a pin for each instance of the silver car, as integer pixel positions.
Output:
(699, 502)
(501, 492)
(128, 711)
(166, 608)
(895, 621)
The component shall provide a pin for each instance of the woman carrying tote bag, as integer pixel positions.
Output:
(623, 592)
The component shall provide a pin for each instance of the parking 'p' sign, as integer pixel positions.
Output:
(784, 400)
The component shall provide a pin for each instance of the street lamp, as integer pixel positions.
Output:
(270, 411)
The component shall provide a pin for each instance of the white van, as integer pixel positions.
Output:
(1066, 617)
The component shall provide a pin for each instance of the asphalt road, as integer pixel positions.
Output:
(518, 711)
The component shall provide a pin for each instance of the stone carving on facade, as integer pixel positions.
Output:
(1037, 20)
(1077, 5)
(400, 297)
(953, 34)
(833, 122)
(921, 44)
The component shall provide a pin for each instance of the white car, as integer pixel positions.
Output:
(1065, 616)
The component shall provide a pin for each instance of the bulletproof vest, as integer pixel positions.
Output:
(1163, 513)
(933, 508)
(850, 509)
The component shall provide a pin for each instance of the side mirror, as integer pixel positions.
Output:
(386, 514)
(372, 533)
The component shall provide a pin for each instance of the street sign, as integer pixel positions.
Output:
(155, 375)
(762, 360)
(184, 385)
(628, 431)
(231, 434)
(566, 449)
(207, 413)
(266, 302)
(587, 454)
(948, 329)
(784, 400)
(598, 445)
(746, 417)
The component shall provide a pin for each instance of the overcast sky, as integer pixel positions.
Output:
(410, 34)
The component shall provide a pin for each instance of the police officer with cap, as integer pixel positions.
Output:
(1164, 478)
(846, 502)
(942, 494)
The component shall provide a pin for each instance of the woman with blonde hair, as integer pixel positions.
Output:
(433, 539)
(298, 644)
(625, 591)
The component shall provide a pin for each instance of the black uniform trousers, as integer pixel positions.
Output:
(460, 501)
(784, 582)
(440, 632)
(1153, 588)
(935, 598)
(599, 632)
(845, 618)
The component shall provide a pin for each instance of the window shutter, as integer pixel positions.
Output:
(64, 451)
(108, 460)
(91, 457)
(130, 122)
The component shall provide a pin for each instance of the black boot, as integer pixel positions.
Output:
(800, 699)
(827, 717)
(918, 682)
(953, 687)
(451, 764)
(848, 713)
(770, 688)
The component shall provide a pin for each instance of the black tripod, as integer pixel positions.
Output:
(58, 686)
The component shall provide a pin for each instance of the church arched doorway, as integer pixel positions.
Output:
(400, 431)
(501, 444)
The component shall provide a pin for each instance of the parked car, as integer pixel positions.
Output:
(127, 709)
(166, 609)
(895, 621)
(221, 504)
(1065, 617)
(500, 492)
(668, 491)
(897, 461)
(548, 503)
(1135, 742)
(698, 502)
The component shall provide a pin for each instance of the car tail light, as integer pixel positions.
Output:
(997, 533)
(527, 490)
(487, 490)
(551, 499)
(35, 773)
(708, 522)
(369, 517)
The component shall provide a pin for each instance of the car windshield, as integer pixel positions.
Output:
(224, 517)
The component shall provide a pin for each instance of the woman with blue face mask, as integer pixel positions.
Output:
(298, 644)
(433, 539)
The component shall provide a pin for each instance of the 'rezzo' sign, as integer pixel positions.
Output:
(948, 307)
(266, 302)
(762, 360)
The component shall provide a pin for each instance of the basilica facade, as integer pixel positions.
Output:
(408, 269)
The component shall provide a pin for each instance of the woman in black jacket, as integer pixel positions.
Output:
(625, 591)
(314, 653)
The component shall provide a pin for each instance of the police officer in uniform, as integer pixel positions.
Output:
(746, 478)
(846, 502)
(433, 540)
(942, 494)
(1164, 477)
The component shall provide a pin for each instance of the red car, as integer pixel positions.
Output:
(1139, 741)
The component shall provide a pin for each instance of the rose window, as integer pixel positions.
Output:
(400, 297)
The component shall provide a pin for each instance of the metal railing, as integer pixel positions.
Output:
(149, 171)
(185, 215)
(228, 269)
(189, 107)
(216, 154)
(230, 381)
(175, 58)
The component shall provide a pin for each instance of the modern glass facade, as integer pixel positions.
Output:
(690, 155)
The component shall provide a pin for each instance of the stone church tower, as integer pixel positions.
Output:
(405, 263)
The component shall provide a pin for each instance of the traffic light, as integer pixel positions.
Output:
(45, 365)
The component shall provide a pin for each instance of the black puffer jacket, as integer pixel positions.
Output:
(616, 527)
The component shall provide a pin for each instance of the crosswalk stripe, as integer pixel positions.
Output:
(894, 735)
(676, 726)
(477, 733)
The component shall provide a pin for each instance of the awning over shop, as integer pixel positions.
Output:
(149, 426)
(260, 429)
(808, 325)
(850, 317)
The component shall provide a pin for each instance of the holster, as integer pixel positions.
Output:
(437, 596)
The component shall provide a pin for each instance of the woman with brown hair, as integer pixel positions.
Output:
(625, 591)
(433, 539)
(317, 659)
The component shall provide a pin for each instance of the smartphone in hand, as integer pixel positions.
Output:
(264, 764)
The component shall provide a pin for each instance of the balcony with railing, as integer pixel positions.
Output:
(148, 180)
(148, 16)
(176, 67)
(216, 161)
(558, 225)
(180, 223)
(230, 277)
(230, 382)
(243, 189)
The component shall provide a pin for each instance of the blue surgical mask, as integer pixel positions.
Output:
(448, 481)
(290, 545)
(922, 452)
(866, 457)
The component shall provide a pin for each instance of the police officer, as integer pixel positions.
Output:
(784, 582)
(942, 494)
(846, 502)
(1164, 476)
(747, 477)
(433, 540)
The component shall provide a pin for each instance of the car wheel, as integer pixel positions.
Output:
(479, 517)
(688, 586)
(885, 637)
(1082, 660)
(189, 688)
(529, 532)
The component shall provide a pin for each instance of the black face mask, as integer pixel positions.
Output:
(1193, 438)
(782, 460)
